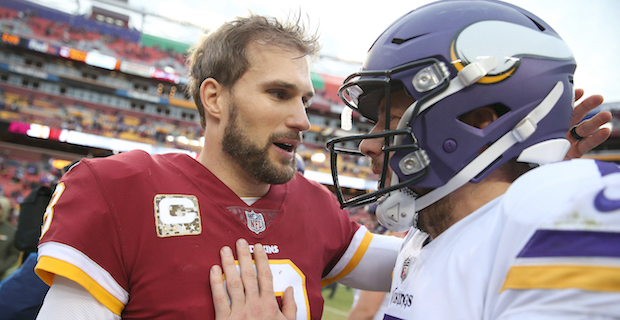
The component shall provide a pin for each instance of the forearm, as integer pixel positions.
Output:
(356, 314)
(367, 305)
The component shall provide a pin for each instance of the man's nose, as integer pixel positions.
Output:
(372, 147)
(299, 119)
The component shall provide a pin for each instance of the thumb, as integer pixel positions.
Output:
(289, 307)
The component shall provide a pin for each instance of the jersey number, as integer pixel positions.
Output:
(286, 274)
(49, 211)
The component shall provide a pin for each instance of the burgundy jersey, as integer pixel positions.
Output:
(141, 232)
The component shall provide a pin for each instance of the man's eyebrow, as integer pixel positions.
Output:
(280, 83)
(381, 108)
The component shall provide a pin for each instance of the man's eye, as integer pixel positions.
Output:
(394, 120)
(306, 102)
(278, 94)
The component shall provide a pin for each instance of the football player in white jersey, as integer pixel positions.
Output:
(468, 97)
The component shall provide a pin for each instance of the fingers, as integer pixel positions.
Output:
(233, 280)
(592, 125)
(587, 105)
(579, 148)
(248, 273)
(593, 141)
(220, 298)
(590, 131)
(250, 288)
(578, 94)
(265, 282)
(265, 278)
(289, 307)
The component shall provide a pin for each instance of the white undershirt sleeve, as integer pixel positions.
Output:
(67, 299)
(374, 271)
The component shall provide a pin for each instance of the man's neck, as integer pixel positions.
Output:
(231, 175)
(446, 212)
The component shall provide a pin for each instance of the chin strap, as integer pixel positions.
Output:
(397, 209)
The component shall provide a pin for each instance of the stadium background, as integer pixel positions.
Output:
(74, 86)
(92, 85)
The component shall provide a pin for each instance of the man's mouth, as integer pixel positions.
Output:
(285, 146)
(376, 166)
(288, 141)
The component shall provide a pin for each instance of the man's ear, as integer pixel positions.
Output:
(211, 97)
(481, 117)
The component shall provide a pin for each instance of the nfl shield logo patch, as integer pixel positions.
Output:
(405, 270)
(255, 221)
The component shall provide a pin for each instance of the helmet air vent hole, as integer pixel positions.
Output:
(401, 41)
(540, 26)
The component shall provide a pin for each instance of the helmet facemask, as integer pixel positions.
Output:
(432, 74)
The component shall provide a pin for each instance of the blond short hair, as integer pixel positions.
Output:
(221, 55)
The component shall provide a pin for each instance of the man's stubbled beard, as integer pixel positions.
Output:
(253, 159)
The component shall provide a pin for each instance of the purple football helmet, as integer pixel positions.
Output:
(454, 57)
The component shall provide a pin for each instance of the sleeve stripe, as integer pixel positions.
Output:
(47, 267)
(590, 278)
(80, 260)
(359, 253)
(572, 243)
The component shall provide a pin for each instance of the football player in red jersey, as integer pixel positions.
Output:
(133, 236)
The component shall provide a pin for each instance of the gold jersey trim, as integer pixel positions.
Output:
(359, 253)
(591, 278)
(48, 267)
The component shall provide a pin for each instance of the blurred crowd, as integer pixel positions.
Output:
(87, 35)
(63, 113)
(19, 176)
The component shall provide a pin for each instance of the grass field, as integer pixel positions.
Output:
(338, 307)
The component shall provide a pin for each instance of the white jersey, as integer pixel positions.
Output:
(549, 248)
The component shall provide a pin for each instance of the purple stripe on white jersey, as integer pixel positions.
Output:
(571, 243)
